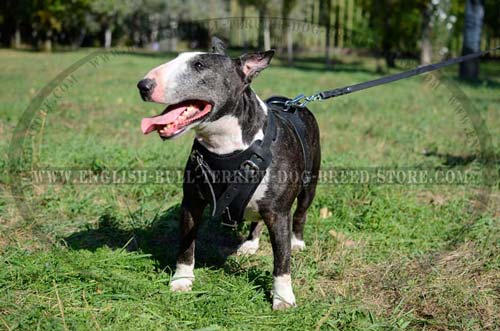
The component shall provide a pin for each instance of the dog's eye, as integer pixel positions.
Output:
(198, 65)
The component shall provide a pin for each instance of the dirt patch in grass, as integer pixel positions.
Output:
(432, 198)
(457, 289)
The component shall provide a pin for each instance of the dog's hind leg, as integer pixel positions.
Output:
(304, 200)
(251, 244)
(190, 220)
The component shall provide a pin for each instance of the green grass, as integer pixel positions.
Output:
(398, 257)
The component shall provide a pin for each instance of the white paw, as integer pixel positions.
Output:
(181, 285)
(283, 296)
(298, 244)
(249, 247)
(182, 281)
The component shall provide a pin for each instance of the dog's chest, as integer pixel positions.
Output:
(223, 136)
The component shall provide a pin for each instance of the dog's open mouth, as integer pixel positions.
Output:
(176, 118)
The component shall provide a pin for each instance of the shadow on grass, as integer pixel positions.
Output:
(450, 160)
(337, 66)
(481, 82)
(259, 277)
(214, 242)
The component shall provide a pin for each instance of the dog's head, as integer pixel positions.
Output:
(197, 86)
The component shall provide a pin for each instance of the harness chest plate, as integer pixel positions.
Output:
(229, 181)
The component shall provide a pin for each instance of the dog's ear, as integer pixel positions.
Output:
(218, 46)
(252, 64)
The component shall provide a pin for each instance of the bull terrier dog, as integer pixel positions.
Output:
(210, 93)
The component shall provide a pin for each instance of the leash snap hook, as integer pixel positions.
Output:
(293, 102)
(297, 100)
(314, 97)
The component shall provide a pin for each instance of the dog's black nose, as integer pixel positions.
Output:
(146, 87)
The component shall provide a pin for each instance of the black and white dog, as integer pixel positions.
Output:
(210, 93)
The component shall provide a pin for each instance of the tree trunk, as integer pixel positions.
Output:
(328, 48)
(47, 45)
(389, 55)
(173, 38)
(286, 10)
(289, 44)
(260, 36)
(264, 38)
(107, 37)
(386, 21)
(77, 42)
(473, 23)
(243, 29)
(17, 38)
(426, 51)
(267, 34)
(155, 28)
(325, 12)
(390, 59)
(426, 44)
(336, 36)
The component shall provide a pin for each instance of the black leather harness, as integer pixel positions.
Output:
(290, 115)
(229, 181)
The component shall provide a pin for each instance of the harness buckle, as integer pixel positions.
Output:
(227, 220)
(306, 177)
(195, 155)
(249, 171)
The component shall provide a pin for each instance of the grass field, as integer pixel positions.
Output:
(385, 257)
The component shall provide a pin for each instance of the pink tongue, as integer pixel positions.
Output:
(148, 124)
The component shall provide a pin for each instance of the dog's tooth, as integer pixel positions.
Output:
(190, 110)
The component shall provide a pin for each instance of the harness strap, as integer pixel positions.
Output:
(290, 115)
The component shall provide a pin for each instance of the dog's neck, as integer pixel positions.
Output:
(240, 124)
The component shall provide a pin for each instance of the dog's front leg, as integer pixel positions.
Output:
(279, 226)
(190, 220)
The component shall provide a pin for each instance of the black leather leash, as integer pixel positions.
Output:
(301, 100)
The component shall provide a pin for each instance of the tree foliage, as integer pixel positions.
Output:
(390, 28)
